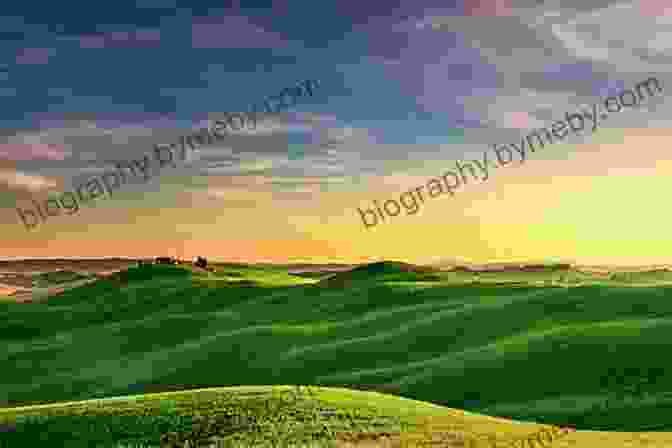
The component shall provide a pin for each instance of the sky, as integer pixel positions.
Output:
(407, 88)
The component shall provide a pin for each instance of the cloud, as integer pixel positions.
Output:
(155, 4)
(22, 181)
(34, 55)
(598, 35)
(574, 58)
(487, 7)
(140, 38)
(28, 151)
(233, 32)
(520, 120)
(655, 8)
(94, 145)
(517, 110)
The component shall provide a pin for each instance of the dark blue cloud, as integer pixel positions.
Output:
(139, 56)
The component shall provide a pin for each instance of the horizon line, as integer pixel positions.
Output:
(313, 262)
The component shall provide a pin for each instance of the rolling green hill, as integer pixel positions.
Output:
(382, 271)
(252, 415)
(590, 357)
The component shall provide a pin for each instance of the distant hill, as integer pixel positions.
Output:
(538, 268)
(318, 266)
(147, 273)
(55, 264)
(390, 270)
(317, 270)
(58, 277)
(511, 267)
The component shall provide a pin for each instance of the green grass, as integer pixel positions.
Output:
(591, 356)
(199, 415)
(244, 416)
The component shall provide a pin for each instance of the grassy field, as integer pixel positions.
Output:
(557, 347)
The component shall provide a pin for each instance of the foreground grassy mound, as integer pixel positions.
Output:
(590, 357)
(280, 416)
(250, 415)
